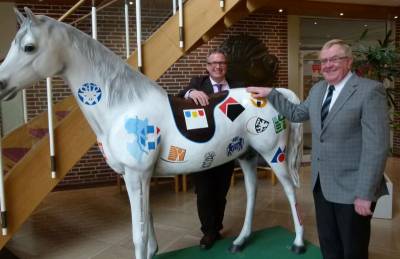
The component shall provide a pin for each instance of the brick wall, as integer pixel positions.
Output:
(92, 170)
(396, 133)
(271, 28)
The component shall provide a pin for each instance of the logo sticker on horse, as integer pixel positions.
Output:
(208, 159)
(147, 139)
(279, 156)
(257, 125)
(195, 119)
(231, 108)
(89, 94)
(236, 145)
(259, 102)
(176, 154)
(261, 125)
(279, 123)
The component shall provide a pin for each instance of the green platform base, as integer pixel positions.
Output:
(272, 243)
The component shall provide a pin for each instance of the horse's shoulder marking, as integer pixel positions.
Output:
(194, 122)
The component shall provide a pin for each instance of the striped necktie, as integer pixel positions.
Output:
(325, 106)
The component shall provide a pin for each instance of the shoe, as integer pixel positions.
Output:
(208, 240)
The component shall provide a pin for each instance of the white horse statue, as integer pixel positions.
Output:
(134, 123)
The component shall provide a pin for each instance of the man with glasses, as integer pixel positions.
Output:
(211, 185)
(350, 144)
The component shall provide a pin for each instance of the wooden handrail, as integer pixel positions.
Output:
(98, 9)
(71, 10)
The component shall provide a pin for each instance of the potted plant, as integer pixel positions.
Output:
(380, 62)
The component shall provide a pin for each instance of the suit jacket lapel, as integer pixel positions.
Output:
(348, 89)
(208, 88)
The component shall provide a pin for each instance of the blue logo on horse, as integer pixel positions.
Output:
(147, 136)
(89, 93)
(236, 145)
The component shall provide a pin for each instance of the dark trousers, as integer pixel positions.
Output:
(211, 187)
(343, 234)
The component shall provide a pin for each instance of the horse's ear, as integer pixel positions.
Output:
(20, 17)
(30, 15)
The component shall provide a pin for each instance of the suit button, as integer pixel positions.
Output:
(318, 158)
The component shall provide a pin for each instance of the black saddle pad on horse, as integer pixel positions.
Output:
(193, 121)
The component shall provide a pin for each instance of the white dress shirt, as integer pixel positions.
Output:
(338, 89)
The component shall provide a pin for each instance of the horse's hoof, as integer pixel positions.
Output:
(235, 249)
(298, 249)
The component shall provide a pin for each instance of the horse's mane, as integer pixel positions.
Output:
(121, 82)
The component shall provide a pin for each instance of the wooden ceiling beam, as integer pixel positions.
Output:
(312, 8)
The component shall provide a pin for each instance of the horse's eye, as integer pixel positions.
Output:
(29, 48)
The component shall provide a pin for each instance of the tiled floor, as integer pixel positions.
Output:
(95, 223)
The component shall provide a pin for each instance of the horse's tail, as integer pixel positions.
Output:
(294, 147)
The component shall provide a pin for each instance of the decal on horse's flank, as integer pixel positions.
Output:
(208, 159)
(279, 156)
(236, 145)
(195, 119)
(231, 108)
(148, 137)
(89, 94)
(259, 102)
(176, 154)
(279, 123)
(257, 125)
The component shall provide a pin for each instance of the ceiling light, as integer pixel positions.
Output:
(131, 3)
(280, 10)
(396, 17)
(341, 14)
(365, 25)
(315, 23)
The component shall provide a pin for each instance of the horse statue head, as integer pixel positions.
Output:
(32, 56)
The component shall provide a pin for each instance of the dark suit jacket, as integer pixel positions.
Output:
(203, 83)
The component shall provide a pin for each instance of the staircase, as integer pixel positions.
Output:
(27, 161)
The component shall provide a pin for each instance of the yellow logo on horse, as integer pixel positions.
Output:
(259, 102)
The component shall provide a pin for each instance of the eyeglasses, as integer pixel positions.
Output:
(214, 64)
(332, 60)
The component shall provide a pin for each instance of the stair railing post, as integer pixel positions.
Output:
(181, 36)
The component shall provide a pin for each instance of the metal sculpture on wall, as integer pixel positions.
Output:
(249, 60)
(136, 128)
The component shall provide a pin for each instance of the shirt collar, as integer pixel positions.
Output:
(223, 82)
(340, 85)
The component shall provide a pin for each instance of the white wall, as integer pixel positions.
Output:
(11, 111)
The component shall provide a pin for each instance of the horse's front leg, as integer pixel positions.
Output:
(249, 168)
(138, 185)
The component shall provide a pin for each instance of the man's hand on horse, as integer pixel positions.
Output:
(258, 92)
(199, 97)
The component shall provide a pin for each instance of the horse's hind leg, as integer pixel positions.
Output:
(138, 185)
(249, 167)
(281, 171)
